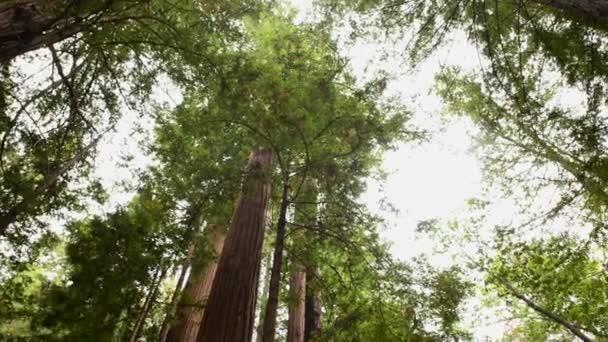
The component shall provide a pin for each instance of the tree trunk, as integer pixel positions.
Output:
(264, 298)
(145, 309)
(27, 25)
(312, 320)
(178, 287)
(297, 296)
(197, 291)
(230, 311)
(270, 317)
(595, 10)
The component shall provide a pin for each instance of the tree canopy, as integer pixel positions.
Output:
(250, 217)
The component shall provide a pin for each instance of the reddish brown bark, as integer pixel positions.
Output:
(196, 293)
(264, 297)
(270, 316)
(312, 320)
(297, 295)
(27, 25)
(230, 311)
(178, 288)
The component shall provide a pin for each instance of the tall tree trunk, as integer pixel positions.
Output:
(27, 25)
(178, 287)
(145, 309)
(198, 287)
(11, 215)
(595, 10)
(230, 311)
(297, 296)
(312, 320)
(270, 317)
(264, 298)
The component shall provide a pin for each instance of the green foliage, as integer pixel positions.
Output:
(249, 79)
(111, 265)
(52, 119)
(563, 275)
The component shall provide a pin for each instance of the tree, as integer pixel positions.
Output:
(590, 10)
(230, 310)
(567, 31)
(30, 25)
(337, 125)
(563, 145)
(116, 52)
(297, 303)
(312, 311)
(558, 279)
(116, 265)
(267, 83)
(305, 214)
(270, 309)
(198, 287)
(368, 295)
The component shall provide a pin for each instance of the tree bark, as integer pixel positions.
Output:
(197, 291)
(270, 317)
(178, 287)
(230, 311)
(595, 10)
(27, 25)
(264, 297)
(297, 306)
(312, 320)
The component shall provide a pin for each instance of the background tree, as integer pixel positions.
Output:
(116, 51)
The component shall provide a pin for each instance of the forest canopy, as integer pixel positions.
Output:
(183, 170)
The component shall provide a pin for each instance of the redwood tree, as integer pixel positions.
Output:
(27, 25)
(595, 10)
(312, 312)
(297, 295)
(229, 314)
(198, 287)
(270, 316)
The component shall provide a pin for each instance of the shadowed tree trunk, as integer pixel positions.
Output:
(230, 311)
(27, 25)
(270, 317)
(312, 320)
(595, 10)
(297, 295)
(198, 287)
(264, 297)
(186, 264)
